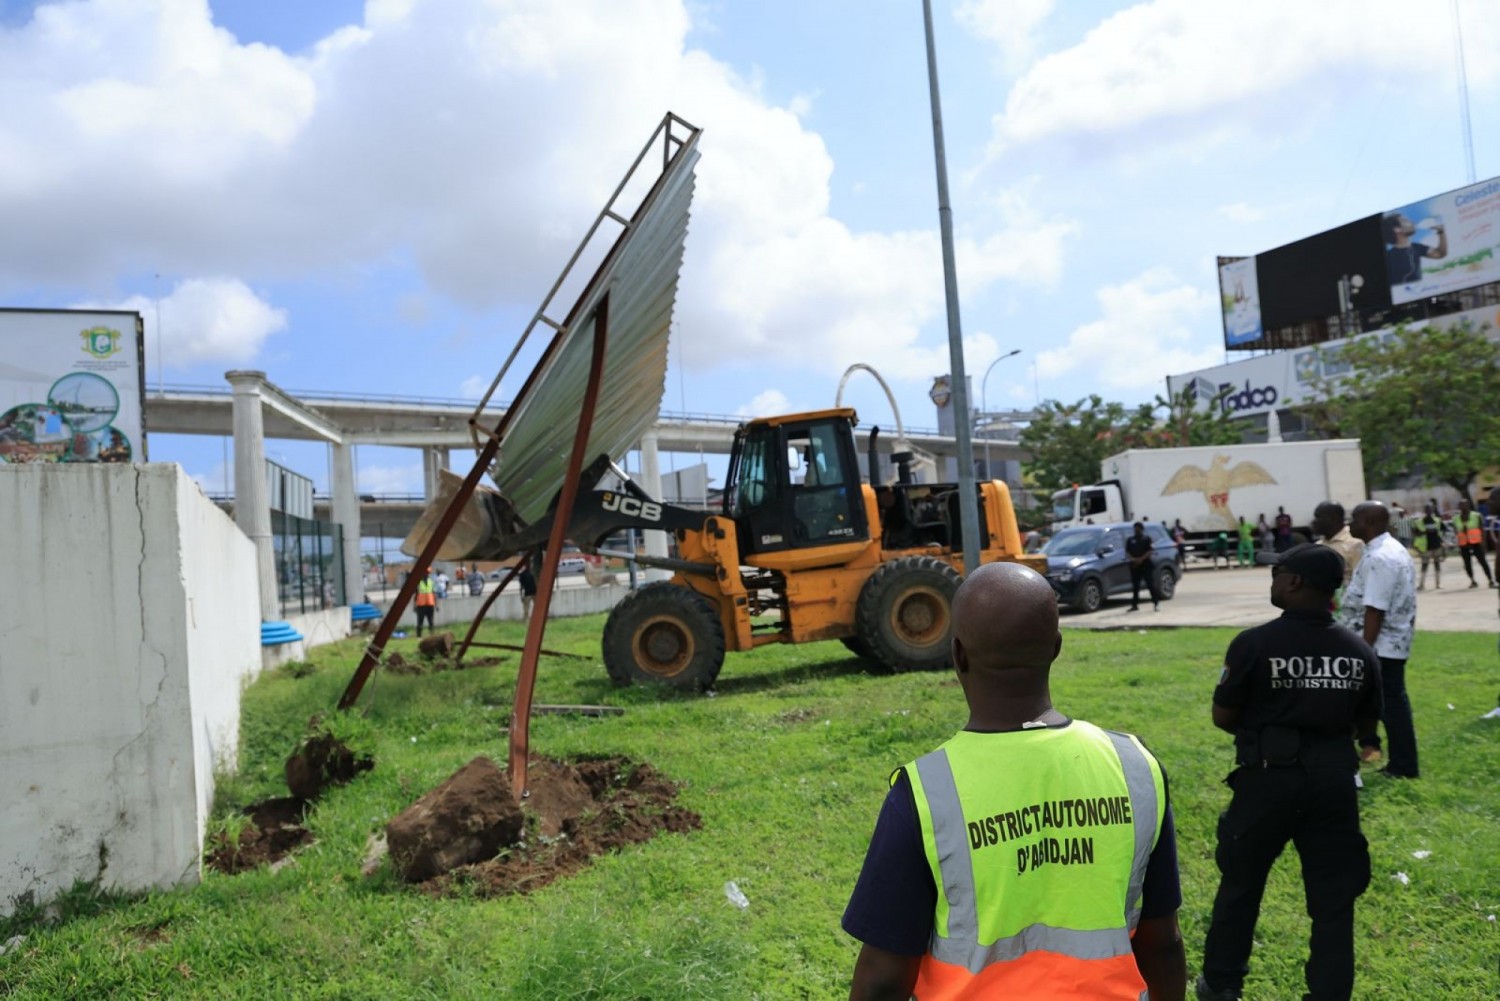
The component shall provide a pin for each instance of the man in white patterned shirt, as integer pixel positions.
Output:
(1380, 604)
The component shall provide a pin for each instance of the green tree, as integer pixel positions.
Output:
(1419, 401)
(1068, 442)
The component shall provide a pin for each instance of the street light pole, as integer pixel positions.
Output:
(968, 493)
(984, 406)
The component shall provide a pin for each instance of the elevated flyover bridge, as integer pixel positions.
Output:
(251, 409)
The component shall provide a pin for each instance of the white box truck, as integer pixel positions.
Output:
(1210, 487)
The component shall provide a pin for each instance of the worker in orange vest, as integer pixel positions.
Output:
(1471, 541)
(426, 602)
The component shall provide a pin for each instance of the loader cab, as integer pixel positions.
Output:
(794, 483)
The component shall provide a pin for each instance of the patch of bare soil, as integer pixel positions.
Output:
(273, 827)
(273, 831)
(575, 812)
(432, 664)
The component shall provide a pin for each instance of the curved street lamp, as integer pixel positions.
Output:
(984, 405)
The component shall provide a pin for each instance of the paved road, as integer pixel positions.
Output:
(1241, 597)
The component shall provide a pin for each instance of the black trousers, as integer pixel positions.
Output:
(1318, 812)
(425, 612)
(1400, 731)
(1143, 575)
(1474, 554)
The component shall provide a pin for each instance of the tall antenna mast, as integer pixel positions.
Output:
(1463, 93)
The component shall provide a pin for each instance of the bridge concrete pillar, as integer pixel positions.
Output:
(346, 513)
(434, 460)
(252, 509)
(655, 540)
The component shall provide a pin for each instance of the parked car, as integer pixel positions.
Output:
(571, 564)
(1087, 565)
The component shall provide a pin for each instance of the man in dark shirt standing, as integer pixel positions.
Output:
(1138, 551)
(1295, 692)
(1283, 530)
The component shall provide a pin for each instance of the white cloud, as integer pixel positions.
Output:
(1241, 212)
(1148, 326)
(473, 387)
(1009, 24)
(405, 479)
(766, 404)
(475, 138)
(1193, 68)
(218, 481)
(204, 319)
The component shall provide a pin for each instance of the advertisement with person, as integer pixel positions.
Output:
(72, 386)
(1239, 294)
(1443, 243)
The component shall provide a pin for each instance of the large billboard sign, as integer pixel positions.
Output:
(1443, 244)
(72, 386)
(1239, 295)
(1429, 248)
(1285, 379)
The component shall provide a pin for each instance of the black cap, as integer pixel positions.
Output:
(1320, 566)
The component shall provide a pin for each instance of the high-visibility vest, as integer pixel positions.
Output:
(426, 596)
(1038, 842)
(1470, 532)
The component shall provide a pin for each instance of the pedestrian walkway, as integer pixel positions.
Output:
(1242, 597)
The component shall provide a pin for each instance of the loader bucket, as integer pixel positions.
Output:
(479, 532)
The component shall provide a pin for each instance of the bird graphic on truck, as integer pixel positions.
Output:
(1216, 482)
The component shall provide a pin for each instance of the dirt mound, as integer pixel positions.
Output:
(322, 761)
(470, 817)
(273, 831)
(591, 807)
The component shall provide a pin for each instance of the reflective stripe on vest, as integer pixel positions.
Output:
(957, 941)
(426, 596)
(1469, 533)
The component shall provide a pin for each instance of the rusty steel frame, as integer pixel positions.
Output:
(520, 716)
(419, 566)
(672, 145)
(487, 449)
(484, 609)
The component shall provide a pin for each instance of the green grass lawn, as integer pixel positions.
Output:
(787, 765)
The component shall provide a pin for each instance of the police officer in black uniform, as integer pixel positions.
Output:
(1295, 693)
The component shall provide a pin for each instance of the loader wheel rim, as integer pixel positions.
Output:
(663, 646)
(920, 617)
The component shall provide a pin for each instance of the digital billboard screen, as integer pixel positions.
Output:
(1300, 281)
(1411, 254)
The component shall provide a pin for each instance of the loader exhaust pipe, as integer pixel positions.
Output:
(874, 458)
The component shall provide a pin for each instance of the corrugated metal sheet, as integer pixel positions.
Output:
(641, 279)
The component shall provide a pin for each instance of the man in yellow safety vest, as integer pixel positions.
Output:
(1470, 527)
(426, 602)
(1031, 856)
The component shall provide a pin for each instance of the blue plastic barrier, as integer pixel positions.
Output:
(276, 633)
(364, 612)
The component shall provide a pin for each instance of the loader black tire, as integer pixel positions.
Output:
(905, 613)
(858, 647)
(664, 633)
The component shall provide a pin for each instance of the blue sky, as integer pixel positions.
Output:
(374, 197)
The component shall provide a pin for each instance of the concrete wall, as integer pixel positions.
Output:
(129, 622)
(567, 600)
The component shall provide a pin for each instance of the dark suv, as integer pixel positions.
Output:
(1087, 565)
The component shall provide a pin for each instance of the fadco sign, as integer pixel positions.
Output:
(1246, 398)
